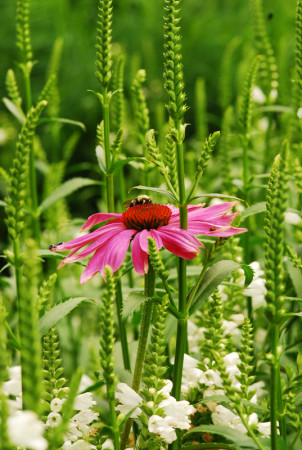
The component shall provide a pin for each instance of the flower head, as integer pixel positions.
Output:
(26, 430)
(110, 242)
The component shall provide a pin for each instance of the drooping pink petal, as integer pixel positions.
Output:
(139, 256)
(210, 211)
(179, 241)
(90, 249)
(90, 237)
(98, 218)
(111, 253)
(212, 229)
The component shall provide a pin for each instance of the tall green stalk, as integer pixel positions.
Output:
(174, 85)
(104, 63)
(142, 342)
(274, 275)
(23, 42)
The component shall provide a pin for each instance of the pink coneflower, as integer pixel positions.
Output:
(109, 243)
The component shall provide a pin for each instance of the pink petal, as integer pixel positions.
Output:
(210, 211)
(180, 242)
(87, 238)
(90, 249)
(98, 218)
(112, 253)
(139, 256)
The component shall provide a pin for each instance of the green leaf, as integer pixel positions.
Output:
(66, 189)
(210, 446)
(255, 209)
(100, 156)
(132, 302)
(76, 123)
(159, 191)
(213, 278)
(51, 317)
(123, 162)
(228, 433)
(16, 112)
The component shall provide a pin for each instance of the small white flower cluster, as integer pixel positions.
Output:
(79, 427)
(26, 430)
(193, 377)
(256, 290)
(259, 97)
(196, 334)
(24, 427)
(175, 414)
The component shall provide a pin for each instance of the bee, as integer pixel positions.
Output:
(52, 246)
(139, 200)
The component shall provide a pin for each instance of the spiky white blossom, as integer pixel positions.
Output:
(223, 416)
(53, 419)
(256, 289)
(84, 401)
(26, 430)
(56, 404)
(160, 426)
(128, 399)
(257, 95)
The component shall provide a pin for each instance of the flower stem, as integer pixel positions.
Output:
(110, 208)
(181, 339)
(114, 424)
(32, 170)
(274, 386)
(142, 344)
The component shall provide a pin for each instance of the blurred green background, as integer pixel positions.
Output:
(208, 26)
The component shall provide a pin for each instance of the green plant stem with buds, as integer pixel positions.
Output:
(103, 63)
(142, 342)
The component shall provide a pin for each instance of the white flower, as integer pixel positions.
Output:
(213, 378)
(166, 389)
(258, 95)
(208, 393)
(85, 383)
(129, 399)
(26, 430)
(78, 445)
(13, 386)
(195, 335)
(85, 417)
(53, 419)
(161, 427)
(56, 404)
(14, 405)
(107, 445)
(264, 428)
(256, 289)
(223, 416)
(73, 433)
(299, 113)
(84, 401)
(177, 412)
(263, 124)
(273, 94)
(191, 374)
(292, 218)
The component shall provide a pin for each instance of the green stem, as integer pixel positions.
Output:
(274, 387)
(114, 424)
(19, 285)
(250, 431)
(181, 338)
(110, 208)
(122, 328)
(32, 169)
(201, 275)
(142, 343)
